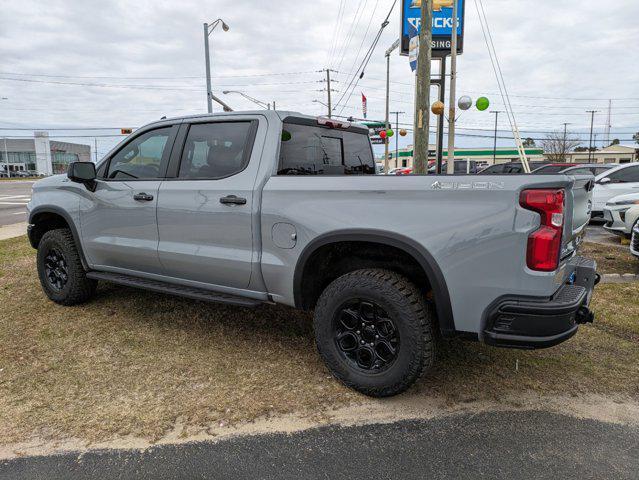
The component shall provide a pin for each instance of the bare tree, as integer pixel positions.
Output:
(557, 146)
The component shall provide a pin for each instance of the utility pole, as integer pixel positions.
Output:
(95, 144)
(328, 90)
(496, 113)
(422, 97)
(397, 114)
(565, 141)
(592, 126)
(609, 122)
(450, 168)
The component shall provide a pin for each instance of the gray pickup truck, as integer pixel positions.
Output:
(273, 207)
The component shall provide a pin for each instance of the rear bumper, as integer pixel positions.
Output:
(532, 323)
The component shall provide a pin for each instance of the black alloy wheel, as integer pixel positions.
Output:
(56, 269)
(366, 336)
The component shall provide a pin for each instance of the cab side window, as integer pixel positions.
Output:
(141, 158)
(215, 150)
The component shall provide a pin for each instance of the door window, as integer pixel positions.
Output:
(216, 150)
(141, 158)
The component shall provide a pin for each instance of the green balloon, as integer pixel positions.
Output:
(482, 104)
(390, 133)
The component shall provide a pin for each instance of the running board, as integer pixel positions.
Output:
(172, 289)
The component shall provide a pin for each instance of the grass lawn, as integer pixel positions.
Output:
(135, 363)
(611, 258)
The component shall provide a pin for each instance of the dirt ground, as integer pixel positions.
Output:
(139, 364)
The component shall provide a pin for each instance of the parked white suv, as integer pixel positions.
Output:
(618, 181)
(622, 214)
(634, 243)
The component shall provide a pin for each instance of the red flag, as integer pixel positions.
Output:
(364, 105)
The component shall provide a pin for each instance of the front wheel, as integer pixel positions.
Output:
(374, 330)
(62, 276)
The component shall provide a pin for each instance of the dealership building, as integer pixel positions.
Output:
(487, 156)
(482, 156)
(40, 155)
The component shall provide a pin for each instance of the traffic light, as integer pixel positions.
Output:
(126, 131)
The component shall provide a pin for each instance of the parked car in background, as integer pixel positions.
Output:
(462, 167)
(553, 168)
(594, 168)
(621, 180)
(509, 168)
(622, 214)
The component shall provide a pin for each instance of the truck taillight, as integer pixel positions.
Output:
(544, 244)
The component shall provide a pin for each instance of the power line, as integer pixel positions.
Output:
(118, 77)
(349, 36)
(366, 60)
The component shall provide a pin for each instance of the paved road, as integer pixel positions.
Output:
(519, 445)
(14, 196)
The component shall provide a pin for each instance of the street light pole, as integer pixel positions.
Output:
(450, 166)
(496, 113)
(208, 29)
(387, 119)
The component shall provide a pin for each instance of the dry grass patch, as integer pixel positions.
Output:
(134, 363)
(610, 258)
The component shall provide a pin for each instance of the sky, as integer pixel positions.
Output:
(105, 65)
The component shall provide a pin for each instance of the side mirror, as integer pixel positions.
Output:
(604, 181)
(83, 172)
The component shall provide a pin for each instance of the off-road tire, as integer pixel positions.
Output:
(78, 288)
(409, 310)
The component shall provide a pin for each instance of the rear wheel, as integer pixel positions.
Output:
(374, 330)
(62, 276)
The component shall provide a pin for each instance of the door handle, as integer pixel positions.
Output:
(143, 197)
(232, 200)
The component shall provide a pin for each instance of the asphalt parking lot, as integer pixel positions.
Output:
(14, 196)
(499, 445)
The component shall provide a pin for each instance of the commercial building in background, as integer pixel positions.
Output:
(40, 155)
(486, 156)
(611, 154)
(481, 156)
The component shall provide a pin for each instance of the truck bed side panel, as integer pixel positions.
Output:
(472, 227)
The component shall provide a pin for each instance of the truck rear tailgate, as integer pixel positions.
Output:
(578, 210)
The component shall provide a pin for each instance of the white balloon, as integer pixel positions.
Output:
(465, 102)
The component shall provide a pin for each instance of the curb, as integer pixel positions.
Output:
(12, 231)
(617, 278)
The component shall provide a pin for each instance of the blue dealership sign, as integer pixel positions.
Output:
(442, 24)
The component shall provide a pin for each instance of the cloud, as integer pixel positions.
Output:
(153, 50)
